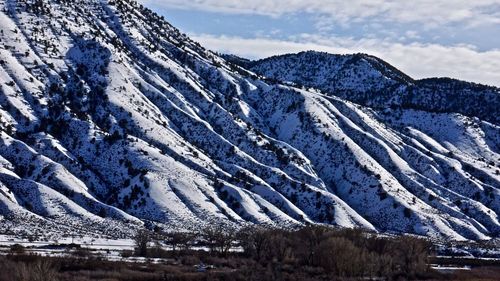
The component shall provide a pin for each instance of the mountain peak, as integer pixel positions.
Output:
(370, 81)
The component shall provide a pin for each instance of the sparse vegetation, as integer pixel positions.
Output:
(348, 253)
(252, 253)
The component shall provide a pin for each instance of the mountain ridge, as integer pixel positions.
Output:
(327, 72)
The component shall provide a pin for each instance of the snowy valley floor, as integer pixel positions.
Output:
(310, 253)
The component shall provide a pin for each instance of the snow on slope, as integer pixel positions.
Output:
(111, 119)
(370, 81)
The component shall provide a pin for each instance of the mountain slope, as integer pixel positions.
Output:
(111, 118)
(370, 81)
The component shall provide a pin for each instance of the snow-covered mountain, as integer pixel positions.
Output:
(370, 81)
(111, 118)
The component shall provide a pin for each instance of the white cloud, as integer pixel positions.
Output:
(417, 60)
(431, 13)
(395, 20)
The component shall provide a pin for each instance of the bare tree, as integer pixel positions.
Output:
(142, 239)
(182, 240)
(254, 240)
(309, 238)
(340, 257)
(280, 246)
(412, 254)
(220, 238)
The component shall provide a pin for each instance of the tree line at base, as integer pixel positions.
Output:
(346, 253)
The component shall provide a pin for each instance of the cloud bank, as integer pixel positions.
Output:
(432, 13)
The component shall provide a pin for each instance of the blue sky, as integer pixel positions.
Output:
(424, 38)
